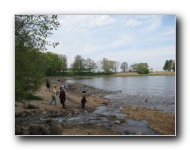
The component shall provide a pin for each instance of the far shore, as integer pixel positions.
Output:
(119, 74)
(157, 73)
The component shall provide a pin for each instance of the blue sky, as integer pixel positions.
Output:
(122, 38)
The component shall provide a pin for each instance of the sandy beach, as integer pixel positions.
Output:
(45, 119)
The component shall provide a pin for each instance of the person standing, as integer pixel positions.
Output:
(48, 84)
(54, 93)
(83, 101)
(62, 85)
(62, 97)
(84, 90)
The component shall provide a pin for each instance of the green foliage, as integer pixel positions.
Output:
(169, 65)
(108, 65)
(55, 64)
(78, 64)
(124, 66)
(141, 68)
(90, 65)
(31, 32)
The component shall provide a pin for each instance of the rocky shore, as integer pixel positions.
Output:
(100, 117)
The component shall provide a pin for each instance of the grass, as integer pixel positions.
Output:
(123, 74)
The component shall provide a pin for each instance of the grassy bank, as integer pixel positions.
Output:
(123, 74)
(118, 74)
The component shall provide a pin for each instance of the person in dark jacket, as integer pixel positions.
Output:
(48, 84)
(62, 97)
(83, 102)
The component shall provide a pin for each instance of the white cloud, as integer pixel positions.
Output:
(133, 22)
(153, 22)
(82, 23)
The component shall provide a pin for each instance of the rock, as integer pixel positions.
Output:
(117, 122)
(18, 130)
(139, 133)
(76, 111)
(32, 106)
(49, 120)
(56, 130)
(146, 100)
(105, 103)
(26, 113)
(38, 130)
(18, 114)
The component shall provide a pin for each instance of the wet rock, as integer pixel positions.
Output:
(49, 120)
(38, 130)
(56, 130)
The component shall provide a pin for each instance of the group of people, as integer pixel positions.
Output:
(62, 94)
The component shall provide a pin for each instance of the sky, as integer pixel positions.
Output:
(124, 38)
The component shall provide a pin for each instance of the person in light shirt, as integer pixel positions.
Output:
(54, 93)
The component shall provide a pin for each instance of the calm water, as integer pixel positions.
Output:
(156, 92)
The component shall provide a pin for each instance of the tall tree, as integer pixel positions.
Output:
(116, 65)
(107, 65)
(31, 32)
(79, 64)
(124, 66)
(90, 65)
(169, 65)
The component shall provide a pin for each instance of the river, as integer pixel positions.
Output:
(155, 92)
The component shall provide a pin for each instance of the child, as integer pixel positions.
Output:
(83, 101)
(84, 90)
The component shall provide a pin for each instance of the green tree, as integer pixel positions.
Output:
(116, 66)
(169, 65)
(141, 68)
(90, 65)
(79, 64)
(124, 66)
(31, 32)
(54, 63)
(107, 65)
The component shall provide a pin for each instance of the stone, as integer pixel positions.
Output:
(139, 133)
(18, 114)
(18, 130)
(117, 122)
(32, 106)
(38, 130)
(56, 130)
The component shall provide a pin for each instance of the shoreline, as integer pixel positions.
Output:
(160, 122)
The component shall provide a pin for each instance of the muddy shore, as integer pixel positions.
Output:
(37, 117)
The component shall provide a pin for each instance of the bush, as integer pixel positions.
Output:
(143, 71)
